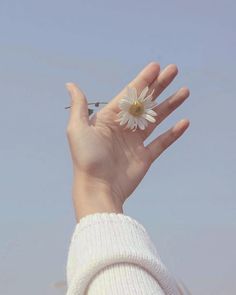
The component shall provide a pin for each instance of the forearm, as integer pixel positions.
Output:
(92, 196)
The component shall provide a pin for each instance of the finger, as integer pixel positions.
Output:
(165, 77)
(79, 105)
(143, 79)
(162, 142)
(165, 108)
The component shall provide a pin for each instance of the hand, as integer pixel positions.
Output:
(108, 160)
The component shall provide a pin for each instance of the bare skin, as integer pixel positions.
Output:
(110, 161)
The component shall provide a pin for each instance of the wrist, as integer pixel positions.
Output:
(91, 196)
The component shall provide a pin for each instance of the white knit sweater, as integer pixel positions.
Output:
(112, 254)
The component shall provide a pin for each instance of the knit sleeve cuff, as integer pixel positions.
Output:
(103, 239)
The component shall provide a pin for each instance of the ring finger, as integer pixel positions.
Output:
(165, 108)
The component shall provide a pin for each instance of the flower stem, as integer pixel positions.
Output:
(95, 103)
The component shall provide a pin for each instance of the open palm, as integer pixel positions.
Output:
(110, 154)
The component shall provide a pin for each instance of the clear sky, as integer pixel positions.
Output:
(187, 201)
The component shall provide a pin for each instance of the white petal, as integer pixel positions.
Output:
(153, 105)
(145, 122)
(124, 104)
(141, 124)
(124, 119)
(134, 125)
(130, 122)
(149, 118)
(149, 96)
(121, 114)
(149, 104)
(150, 112)
(143, 94)
(132, 93)
(128, 98)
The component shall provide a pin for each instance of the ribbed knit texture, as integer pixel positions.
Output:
(112, 253)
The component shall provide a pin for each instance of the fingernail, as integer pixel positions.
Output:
(69, 85)
(179, 125)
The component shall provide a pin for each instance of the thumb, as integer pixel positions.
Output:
(79, 104)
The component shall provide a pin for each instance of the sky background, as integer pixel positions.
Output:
(187, 201)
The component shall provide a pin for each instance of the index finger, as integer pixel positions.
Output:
(143, 79)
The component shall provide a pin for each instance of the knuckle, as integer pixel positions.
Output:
(162, 83)
(168, 139)
(163, 145)
(172, 104)
(75, 101)
(173, 136)
(145, 80)
(161, 114)
(169, 105)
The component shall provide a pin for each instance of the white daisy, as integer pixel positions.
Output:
(136, 111)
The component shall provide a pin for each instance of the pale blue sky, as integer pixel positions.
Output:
(187, 199)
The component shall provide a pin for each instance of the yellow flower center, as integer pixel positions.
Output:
(136, 109)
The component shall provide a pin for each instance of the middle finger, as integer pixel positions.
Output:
(165, 77)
